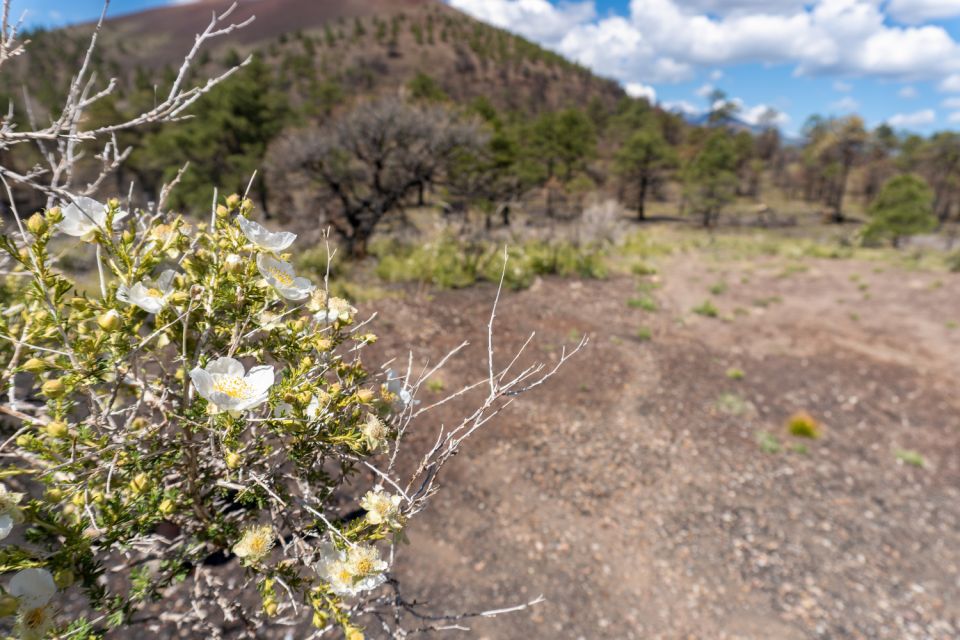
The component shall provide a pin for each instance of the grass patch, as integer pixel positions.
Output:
(768, 442)
(644, 334)
(802, 425)
(707, 309)
(735, 373)
(913, 458)
(436, 385)
(718, 289)
(644, 302)
(732, 404)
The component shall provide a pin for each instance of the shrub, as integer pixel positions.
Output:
(904, 207)
(802, 425)
(707, 309)
(208, 391)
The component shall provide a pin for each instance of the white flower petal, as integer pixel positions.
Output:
(263, 238)
(203, 382)
(34, 587)
(6, 525)
(226, 366)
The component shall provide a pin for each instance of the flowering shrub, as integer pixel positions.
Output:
(206, 403)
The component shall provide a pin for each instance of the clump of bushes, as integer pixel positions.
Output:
(802, 425)
(451, 264)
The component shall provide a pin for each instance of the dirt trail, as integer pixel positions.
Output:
(633, 493)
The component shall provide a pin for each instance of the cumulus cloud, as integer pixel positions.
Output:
(916, 119)
(845, 103)
(951, 103)
(763, 114)
(640, 90)
(954, 117)
(681, 106)
(907, 92)
(705, 90)
(843, 87)
(951, 83)
(917, 11)
(667, 40)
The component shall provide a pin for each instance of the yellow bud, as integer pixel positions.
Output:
(24, 440)
(322, 344)
(353, 633)
(300, 324)
(233, 460)
(77, 500)
(8, 605)
(53, 388)
(139, 423)
(97, 496)
(369, 338)
(365, 395)
(167, 506)
(139, 483)
(222, 211)
(233, 200)
(110, 320)
(127, 236)
(246, 207)
(179, 297)
(270, 606)
(54, 215)
(63, 578)
(37, 224)
(34, 365)
(56, 429)
(319, 619)
(54, 494)
(113, 203)
(24, 254)
(78, 303)
(179, 375)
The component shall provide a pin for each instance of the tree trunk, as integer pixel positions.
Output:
(642, 197)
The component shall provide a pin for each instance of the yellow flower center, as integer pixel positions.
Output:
(364, 566)
(280, 276)
(35, 618)
(233, 386)
(155, 293)
(258, 546)
(344, 575)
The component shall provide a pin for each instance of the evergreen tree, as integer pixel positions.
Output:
(904, 207)
(710, 179)
(642, 161)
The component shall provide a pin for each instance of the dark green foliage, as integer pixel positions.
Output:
(710, 179)
(424, 87)
(224, 142)
(642, 161)
(904, 207)
(563, 141)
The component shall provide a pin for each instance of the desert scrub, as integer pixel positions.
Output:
(450, 263)
(802, 425)
(207, 390)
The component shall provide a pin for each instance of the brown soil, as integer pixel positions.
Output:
(641, 507)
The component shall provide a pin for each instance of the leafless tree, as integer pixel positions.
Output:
(364, 165)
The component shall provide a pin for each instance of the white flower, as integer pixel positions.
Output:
(33, 587)
(352, 572)
(281, 277)
(263, 239)
(335, 309)
(397, 387)
(382, 508)
(255, 543)
(34, 623)
(84, 216)
(374, 432)
(149, 295)
(9, 511)
(224, 383)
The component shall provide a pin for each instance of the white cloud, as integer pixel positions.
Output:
(951, 83)
(716, 74)
(841, 86)
(917, 11)
(846, 103)
(954, 117)
(704, 91)
(915, 119)
(908, 92)
(537, 19)
(756, 115)
(640, 90)
(681, 106)
(951, 103)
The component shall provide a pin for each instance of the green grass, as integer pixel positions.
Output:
(732, 404)
(768, 442)
(644, 334)
(436, 385)
(735, 373)
(913, 458)
(644, 302)
(707, 309)
(718, 289)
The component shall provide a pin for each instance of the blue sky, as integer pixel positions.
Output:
(895, 61)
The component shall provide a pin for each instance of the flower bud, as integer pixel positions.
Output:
(127, 236)
(53, 388)
(78, 303)
(36, 224)
(139, 484)
(54, 215)
(8, 605)
(222, 211)
(365, 395)
(139, 423)
(270, 606)
(233, 200)
(234, 264)
(24, 440)
(167, 506)
(34, 365)
(179, 297)
(353, 633)
(57, 429)
(24, 254)
(113, 203)
(110, 320)
(54, 494)
(233, 460)
(246, 207)
(63, 578)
